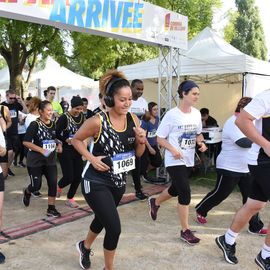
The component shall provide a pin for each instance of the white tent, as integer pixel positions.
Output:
(67, 82)
(208, 54)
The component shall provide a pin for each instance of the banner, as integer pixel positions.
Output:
(132, 20)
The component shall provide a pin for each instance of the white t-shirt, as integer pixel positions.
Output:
(259, 108)
(181, 130)
(30, 118)
(139, 106)
(232, 157)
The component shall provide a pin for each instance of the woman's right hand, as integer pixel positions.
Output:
(3, 151)
(98, 164)
(176, 154)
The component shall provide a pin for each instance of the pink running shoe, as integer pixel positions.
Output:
(188, 237)
(201, 219)
(72, 203)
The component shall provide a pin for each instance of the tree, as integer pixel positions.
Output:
(21, 43)
(249, 35)
(229, 30)
(94, 55)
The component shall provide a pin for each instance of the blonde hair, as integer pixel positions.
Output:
(107, 77)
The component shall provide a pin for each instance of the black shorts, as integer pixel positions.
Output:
(4, 159)
(260, 187)
(2, 183)
(13, 142)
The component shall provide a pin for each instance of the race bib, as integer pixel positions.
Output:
(49, 145)
(13, 113)
(151, 134)
(187, 141)
(123, 162)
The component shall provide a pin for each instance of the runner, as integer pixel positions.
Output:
(117, 134)
(40, 139)
(232, 170)
(3, 152)
(151, 157)
(70, 160)
(178, 133)
(259, 165)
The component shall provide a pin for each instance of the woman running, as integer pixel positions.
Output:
(70, 160)
(117, 138)
(232, 170)
(151, 157)
(40, 139)
(178, 133)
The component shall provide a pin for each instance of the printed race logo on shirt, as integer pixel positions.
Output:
(123, 162)
(151, 134)
(49, 145)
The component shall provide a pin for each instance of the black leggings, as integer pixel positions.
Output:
(72, 167)
(225, 185)
(20, 151)
(180, 183)
(35, 173)
(103, 200)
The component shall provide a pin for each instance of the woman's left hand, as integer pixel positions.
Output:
(140, 135)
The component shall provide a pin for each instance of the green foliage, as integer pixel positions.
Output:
(21, 43)
(229, 30)
(249, 35)
(93, 55)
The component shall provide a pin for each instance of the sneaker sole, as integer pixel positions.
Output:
(186, 241)
(258, 263)
(51, 215)
(254, 233)
(78, 249)
(200, 223)
(149, 211)
(224, 252)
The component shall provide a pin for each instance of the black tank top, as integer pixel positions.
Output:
(118, 145)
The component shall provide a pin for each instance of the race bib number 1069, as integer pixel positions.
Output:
(123, 162)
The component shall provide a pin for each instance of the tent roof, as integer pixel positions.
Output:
(207, 54)
(52, 74)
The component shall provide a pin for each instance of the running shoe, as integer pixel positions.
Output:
(141, 196)
(10, 172)
(53, 213)
(21, 164)
(153, 208)
(201, 219)
(261, 232)
(84, 259)
(26, 198)
(188, 237)
(59, 191)
(228, 250)
(15, 163)
(72, 203)
(36, 194)
(2, 257)
(262, 263)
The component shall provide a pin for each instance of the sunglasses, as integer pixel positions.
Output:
(12, 98)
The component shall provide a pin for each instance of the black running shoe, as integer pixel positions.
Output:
(2, 257)
(36, 194)
(53, 213)
(153, 208)
(26, 198)
(84, 259)
(228, 250)
(263, 263)
(10, 172)
(141, 196)
(21, 164)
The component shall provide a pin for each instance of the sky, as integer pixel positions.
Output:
(264, 9)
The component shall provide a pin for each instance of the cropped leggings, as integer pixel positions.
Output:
(180, 183)
(35, 173)
(103, 200)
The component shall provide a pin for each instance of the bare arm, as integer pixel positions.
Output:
(89, 129)
(201, 143)
(8, 118)
(165, 144)
(34, 147)
(245, 123)
(140, 137)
